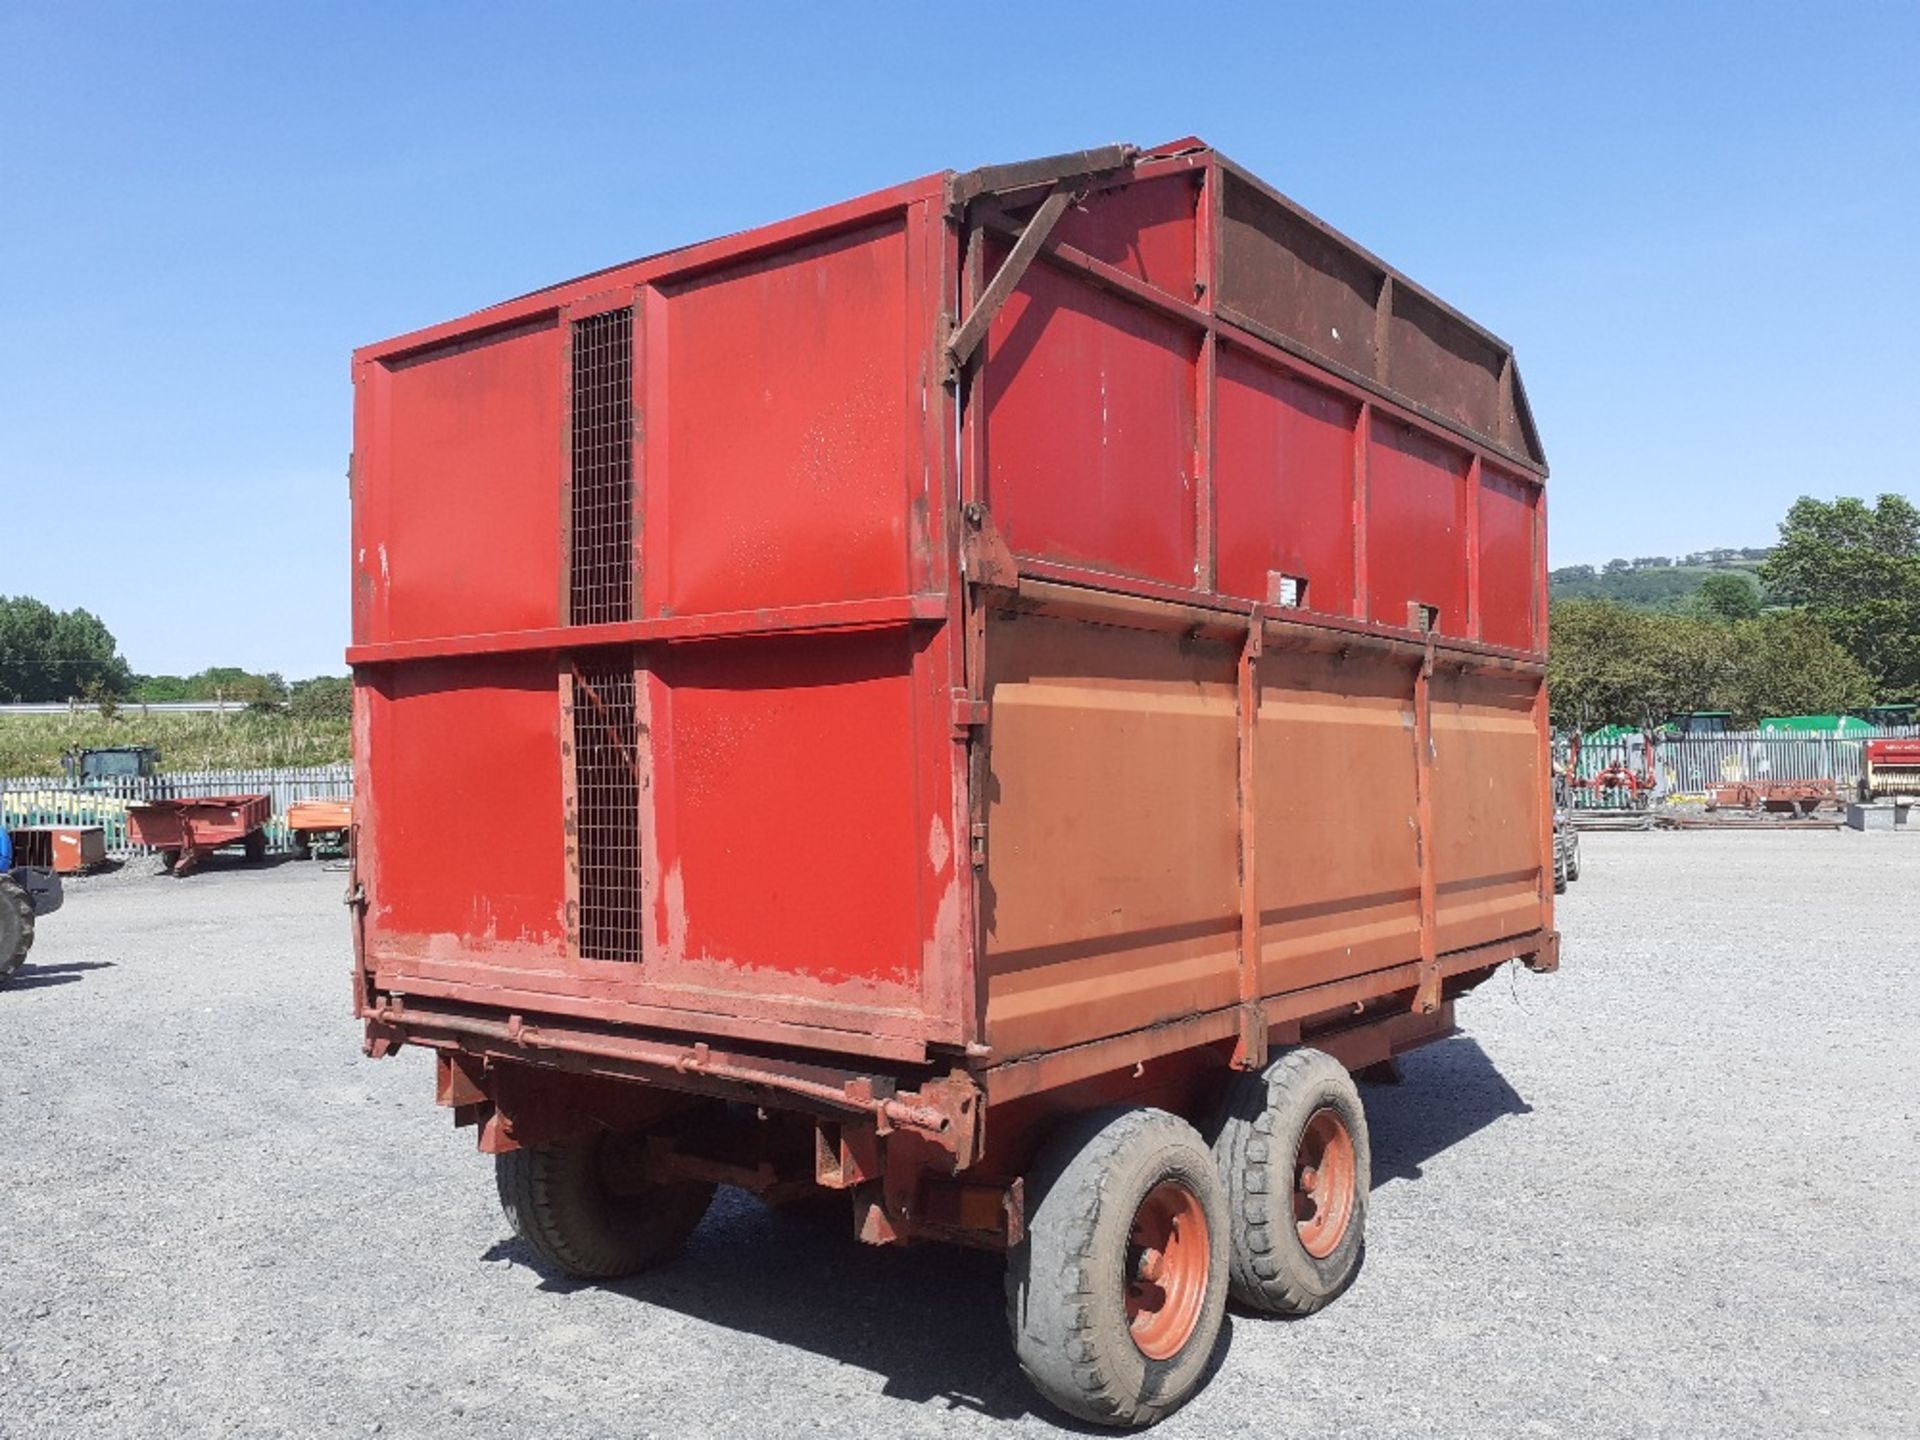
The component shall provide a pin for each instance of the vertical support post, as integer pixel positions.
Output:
(1473, 548)
(569, 808)
(1362, 451)
(1250, 1051)
(1206, 270)
(1426, 997)
(1545, 751)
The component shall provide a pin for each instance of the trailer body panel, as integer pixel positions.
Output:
(1006, 631)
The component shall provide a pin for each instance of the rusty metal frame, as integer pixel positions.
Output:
(1031, 1074)
(943, 1109)
(964, 188)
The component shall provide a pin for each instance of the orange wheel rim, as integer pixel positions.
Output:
(1323, 1183)
(1169, 1256)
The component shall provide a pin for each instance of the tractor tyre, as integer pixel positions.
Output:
(560, 1202)
(16, 926)
(1117, 1294)
(1293, 1147)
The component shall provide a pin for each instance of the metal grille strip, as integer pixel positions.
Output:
(600, 583)
(607, 808)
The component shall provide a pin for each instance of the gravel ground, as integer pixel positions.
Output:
(1669, 1191)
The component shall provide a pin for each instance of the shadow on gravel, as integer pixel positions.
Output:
(38, 977)
(931, 1319)
(1451, 1091)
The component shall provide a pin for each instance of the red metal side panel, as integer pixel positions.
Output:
(458, 797)
(1416, 526)
(1090, 429)
(1508, 612)
(1283, 484)
(1146, 229)
(458, 473)
(780, 474)
(801, 843)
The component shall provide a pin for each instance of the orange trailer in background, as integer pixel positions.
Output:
(994, 697)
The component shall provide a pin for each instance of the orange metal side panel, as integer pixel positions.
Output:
(1090, 429)
(1488, 798)
(458, 479)
(1110, 897)
(1339, 858)
(1283, 484)
(784, 397)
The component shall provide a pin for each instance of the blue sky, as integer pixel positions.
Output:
(1699, 225)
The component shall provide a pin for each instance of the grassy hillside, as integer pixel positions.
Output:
(33, 744)
(1662, 587)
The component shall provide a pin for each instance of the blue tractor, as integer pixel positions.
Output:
(26, 893)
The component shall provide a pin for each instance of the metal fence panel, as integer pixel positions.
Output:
(57, 800)
(1688, 765)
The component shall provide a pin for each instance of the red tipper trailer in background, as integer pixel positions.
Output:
(1027, 679)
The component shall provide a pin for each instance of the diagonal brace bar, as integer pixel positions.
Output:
(966, 339)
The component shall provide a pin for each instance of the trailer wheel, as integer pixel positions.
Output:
(559, 1201)
(169, 860)
(255, 846)
(1116, 1294)
(1294, 1150)
(16, 926)
(1573, 861)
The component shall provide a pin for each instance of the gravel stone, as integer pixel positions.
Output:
(1667, 1192)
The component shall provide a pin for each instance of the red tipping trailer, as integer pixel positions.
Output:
(1027, 679)
(184, 830)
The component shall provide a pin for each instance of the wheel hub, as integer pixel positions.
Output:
(1169, 1256)
(1324, 1169)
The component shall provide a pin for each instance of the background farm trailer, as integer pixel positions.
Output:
(920, 654)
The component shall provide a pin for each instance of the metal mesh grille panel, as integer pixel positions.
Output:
(607, 810)
(600, 587)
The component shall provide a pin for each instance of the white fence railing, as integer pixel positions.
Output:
(57, 800)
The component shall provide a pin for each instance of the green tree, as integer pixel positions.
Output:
(218, 682)
(1787, 664)
(324, 697)
(48, 654)
(1855, 568)
(1610, 664)
(1728, 595)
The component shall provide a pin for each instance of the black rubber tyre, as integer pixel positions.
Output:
(169, 860)
(1573, 861)
(16, 926)
(558, 1201)
(255, 846)
(302, 845)
(1559, 876)
(1263, 1135)
(1068, 1280)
